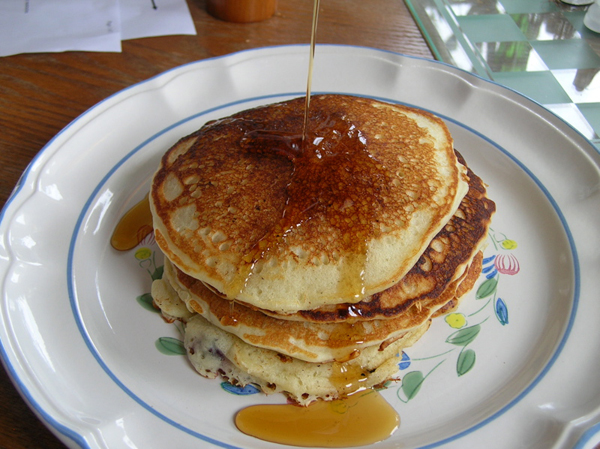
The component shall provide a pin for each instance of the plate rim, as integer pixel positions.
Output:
(47, 152)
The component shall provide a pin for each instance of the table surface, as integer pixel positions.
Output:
(42, 93)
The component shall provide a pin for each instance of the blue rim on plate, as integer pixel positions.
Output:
(80, 440)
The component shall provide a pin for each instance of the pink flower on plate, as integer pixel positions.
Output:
(507, 264)
(146, 236)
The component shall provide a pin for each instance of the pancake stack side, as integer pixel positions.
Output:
(304, 262)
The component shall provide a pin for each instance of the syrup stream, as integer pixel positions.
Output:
(362, 417)
(311, 59)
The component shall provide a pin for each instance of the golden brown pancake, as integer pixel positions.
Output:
(239, 207)
(311, 342)
(166, 299)
(305, 264)
(445, 259)
(214, 352)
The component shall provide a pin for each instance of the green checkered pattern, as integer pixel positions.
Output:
(540, 48)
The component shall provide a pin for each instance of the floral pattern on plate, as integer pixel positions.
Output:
(464, 328)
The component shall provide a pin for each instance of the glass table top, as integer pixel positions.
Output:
(540, 48)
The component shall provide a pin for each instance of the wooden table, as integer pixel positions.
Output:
(41, 93)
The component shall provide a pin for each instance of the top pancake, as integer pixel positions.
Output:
(446, 258)
(244, 207)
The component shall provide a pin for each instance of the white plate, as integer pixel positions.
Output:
(84, 353)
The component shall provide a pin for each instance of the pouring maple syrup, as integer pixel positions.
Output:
(315, 187)
(311, 60)
(362, 416)
(332, 170)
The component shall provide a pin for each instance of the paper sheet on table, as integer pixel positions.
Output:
(33, 26)
(144, 18)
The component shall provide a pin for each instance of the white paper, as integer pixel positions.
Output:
(144, 18)
(34, 26)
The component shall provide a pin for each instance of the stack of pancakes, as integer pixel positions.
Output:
(305, 263)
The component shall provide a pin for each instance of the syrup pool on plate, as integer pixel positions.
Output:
(363, 416)
(133, 227)
(360, 419)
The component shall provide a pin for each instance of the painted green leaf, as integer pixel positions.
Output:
(158, 273)
(170, 346)
(466, 361)
(145, 301)
(411, 384)
(487, 288)
(464, 336)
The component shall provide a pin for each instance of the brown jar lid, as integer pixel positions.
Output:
(241, 11)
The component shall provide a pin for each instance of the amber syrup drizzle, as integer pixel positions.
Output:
(133, 227)
(334, 179)
(362, 416)
(360, 419)
(311, 60)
